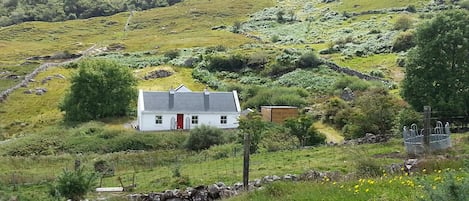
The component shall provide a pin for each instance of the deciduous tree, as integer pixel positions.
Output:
(252, 125)
(437, 69)
(99, 89)
(302, 128)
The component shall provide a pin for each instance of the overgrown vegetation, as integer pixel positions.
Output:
(373, 111)
(302, 128)
(203, 137)
(74, 184)
(91, 137)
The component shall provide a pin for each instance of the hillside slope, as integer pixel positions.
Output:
(357, 34)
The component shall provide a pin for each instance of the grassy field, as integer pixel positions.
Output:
(154, 171)
(365, 5)
(397, 187)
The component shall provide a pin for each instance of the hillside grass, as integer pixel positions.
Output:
(158, 29)
(184, 25)
(385, 187)
(365, 5)
(332, 134)
(382, 62)
(181, 75)
(25, 114)
(154, 170)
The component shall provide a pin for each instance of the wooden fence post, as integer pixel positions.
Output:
(247, 144)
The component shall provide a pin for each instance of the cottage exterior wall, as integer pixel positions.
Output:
(148, 120)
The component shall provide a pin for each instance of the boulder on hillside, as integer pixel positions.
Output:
(158, 74)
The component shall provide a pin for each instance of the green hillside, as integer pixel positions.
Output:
(341, 62)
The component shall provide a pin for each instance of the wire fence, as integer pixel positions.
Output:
(158, 169)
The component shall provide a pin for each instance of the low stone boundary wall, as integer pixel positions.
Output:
(41, 68)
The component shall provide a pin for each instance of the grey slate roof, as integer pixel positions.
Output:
(189, 102)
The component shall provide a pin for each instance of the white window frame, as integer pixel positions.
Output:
(195, 119)
(158, 119)
(223, 119)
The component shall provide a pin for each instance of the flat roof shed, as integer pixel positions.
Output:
(278, 114)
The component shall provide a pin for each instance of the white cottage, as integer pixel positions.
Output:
(181, 108)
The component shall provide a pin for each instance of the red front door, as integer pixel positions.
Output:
(180, 121)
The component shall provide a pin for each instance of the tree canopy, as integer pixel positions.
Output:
(99, 89)
(302, 128)
(17, 11)
(252, 125)
(437, 69)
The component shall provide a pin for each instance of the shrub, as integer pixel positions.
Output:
(302, 128)
(35, 145)
(464, 4)
(203, 137)
(367, 167)
(74, 185)
(280, 18)
(180, 182)
(404, 22)
(377, 73)
(308, 60)
(376, 113)
(212, 49)
(223, 151)
(236, 27)
(352, 131)
(221, 63)
(407, 117)
(254, 126)
(275, 38)
(276, 96)
(257, 60)
(403, 42)
(206, 77)
(288, 56)
(5, 21)
(448, 186)
(253, 80)
(400, 61)
(354, 83)
(171, 54)
(277, 139)
(311, 80)
(277, 69)
(331, 108)
(102, 167)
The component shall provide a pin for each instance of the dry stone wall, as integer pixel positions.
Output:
(41, 68)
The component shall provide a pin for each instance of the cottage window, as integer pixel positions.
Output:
(223, 120)
(158, 119)
(195, 120)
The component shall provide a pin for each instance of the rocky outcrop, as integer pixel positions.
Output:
(368, 139)
(158, 74)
